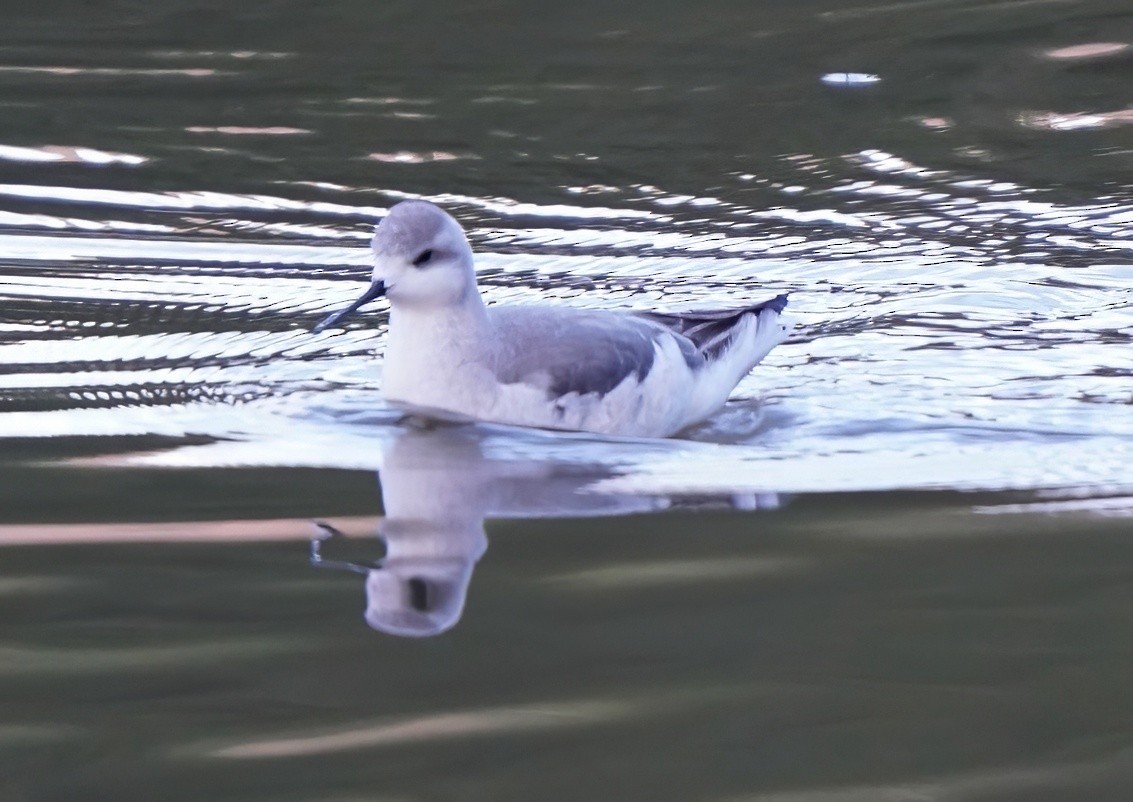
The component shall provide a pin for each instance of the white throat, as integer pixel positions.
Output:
(439, 356)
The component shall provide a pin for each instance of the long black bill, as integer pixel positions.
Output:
(377, 290)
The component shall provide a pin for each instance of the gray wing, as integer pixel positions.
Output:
(711, 331)
(578, 351)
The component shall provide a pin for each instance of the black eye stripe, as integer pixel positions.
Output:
(423, 257)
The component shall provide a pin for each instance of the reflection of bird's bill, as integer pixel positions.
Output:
(324, 532)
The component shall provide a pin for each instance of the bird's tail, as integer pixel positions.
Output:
(749, 341)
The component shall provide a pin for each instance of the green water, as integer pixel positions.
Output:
(892, 647)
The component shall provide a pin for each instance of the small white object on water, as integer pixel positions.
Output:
(850, 79)
(645, 374)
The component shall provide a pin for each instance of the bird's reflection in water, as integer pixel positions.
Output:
(418, 588)
(438, 485)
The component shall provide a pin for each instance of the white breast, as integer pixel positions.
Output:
(437, 361)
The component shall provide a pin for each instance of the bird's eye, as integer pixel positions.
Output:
(423, 257)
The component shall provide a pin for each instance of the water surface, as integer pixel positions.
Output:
(893, 567)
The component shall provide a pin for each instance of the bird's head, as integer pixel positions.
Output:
(422, 259)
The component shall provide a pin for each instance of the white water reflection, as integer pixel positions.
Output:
(1073, 121)
(850, 79)
(112, 72)
(67, 154)
(182, 200)
(1089, 50)
(245, 130)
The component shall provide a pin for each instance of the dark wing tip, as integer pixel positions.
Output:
(778, 303)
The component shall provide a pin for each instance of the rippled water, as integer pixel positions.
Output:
(942, 187)
(940, 318)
